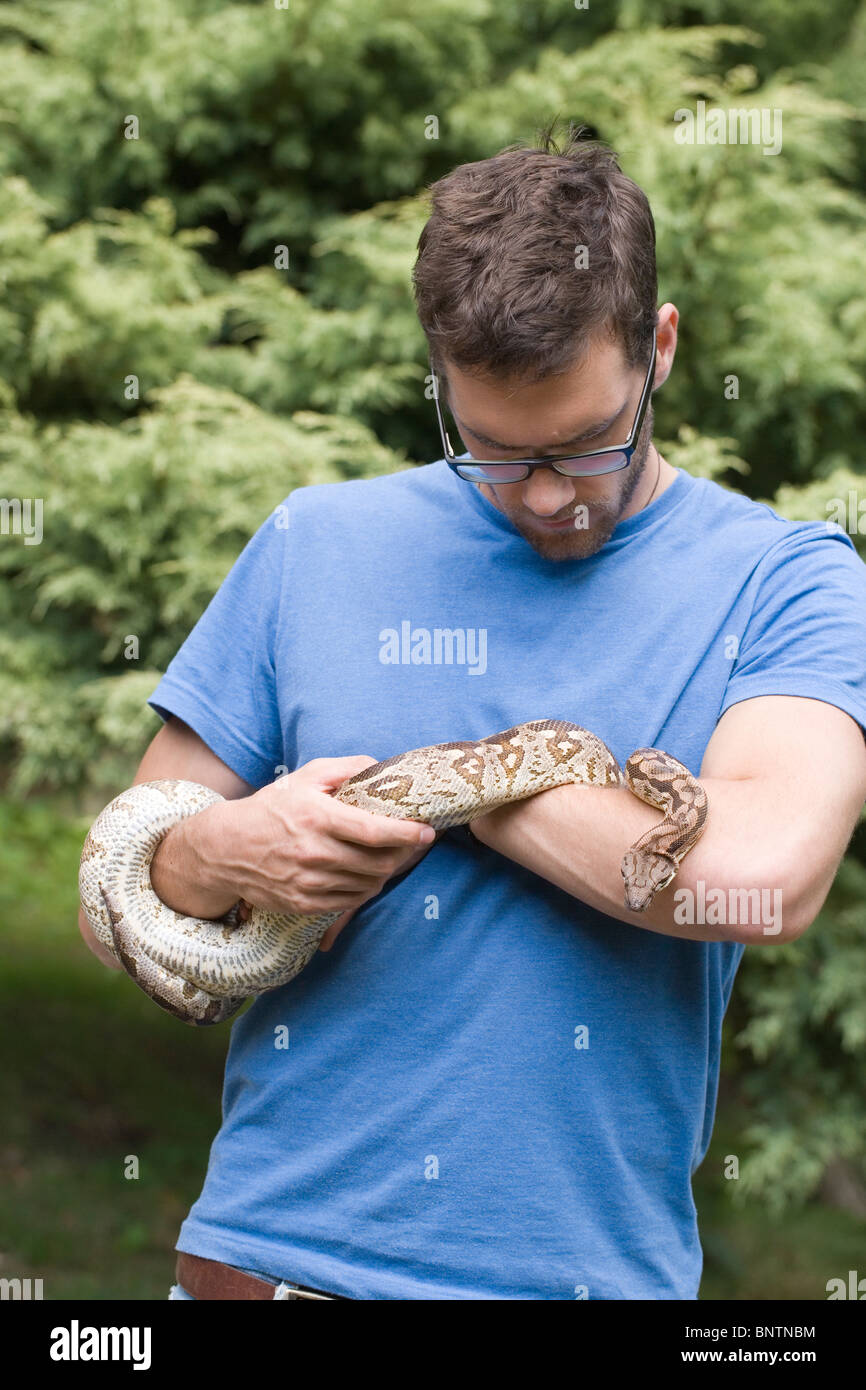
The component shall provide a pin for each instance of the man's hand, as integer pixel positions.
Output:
(288, 848)
(335, 928)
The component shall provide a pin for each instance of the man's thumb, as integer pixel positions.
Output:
(333, 772)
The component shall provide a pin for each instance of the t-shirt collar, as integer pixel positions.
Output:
(623, 531)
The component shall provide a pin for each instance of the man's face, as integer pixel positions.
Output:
(591, 405)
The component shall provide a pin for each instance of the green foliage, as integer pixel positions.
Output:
(805, 1006)
(197, 320)
(142, 522)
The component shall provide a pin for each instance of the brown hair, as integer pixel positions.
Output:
(496, 285)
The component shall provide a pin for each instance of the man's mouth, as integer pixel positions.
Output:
(564, 524)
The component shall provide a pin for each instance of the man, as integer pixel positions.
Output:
(497, 1081)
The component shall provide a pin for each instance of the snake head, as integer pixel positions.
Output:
(646, 872)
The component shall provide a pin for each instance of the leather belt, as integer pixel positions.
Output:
(208, 1279)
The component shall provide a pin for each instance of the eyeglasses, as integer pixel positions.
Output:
(606, 460)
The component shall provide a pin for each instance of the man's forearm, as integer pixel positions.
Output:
(575, 837)
(190, 870)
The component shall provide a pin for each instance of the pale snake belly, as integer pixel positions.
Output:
(202, 971)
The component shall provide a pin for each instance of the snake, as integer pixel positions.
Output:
(202, 970)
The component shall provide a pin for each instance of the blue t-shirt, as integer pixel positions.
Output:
(490, 1090)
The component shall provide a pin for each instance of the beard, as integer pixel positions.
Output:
(575, 543)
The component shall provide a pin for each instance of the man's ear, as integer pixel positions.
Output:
(666, 343)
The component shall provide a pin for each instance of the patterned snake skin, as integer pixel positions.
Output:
(202, 971)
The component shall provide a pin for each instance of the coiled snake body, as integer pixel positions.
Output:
(202, 971)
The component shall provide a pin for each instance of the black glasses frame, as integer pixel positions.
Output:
(529, 465)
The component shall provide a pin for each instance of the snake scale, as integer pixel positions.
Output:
(202, 971)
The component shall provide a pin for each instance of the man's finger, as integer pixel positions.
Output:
(329, 773)
(363, 828)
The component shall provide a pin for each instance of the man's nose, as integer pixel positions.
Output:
(546, 492)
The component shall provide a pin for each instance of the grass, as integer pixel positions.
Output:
(95, 1075)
